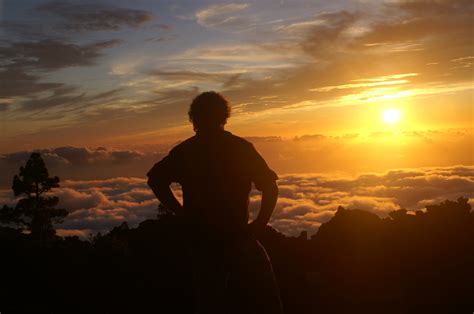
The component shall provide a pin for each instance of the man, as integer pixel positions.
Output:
(232, 272)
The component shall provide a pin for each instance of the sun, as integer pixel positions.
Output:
(391, 116)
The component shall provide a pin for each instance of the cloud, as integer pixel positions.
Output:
(226, 79)
(93, 16)
(29, 56)
(342, 52)
(421, 19)
(30, 53)
(395, 79)
(305, 200)
(82, 162)
(14, 81)
(4, 106)
(359, 152)
(317, 153)
(81, 233)
(221, 16)
(99, 205)
(74, 200)
(51, 54)
(231, 68)
(26, 62)
(77, 155)
(81, 155)
(243, 53)
(305, 60)
(330, 36)
(300, 28)
(64, 100)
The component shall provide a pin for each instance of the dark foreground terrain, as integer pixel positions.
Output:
(356, 263)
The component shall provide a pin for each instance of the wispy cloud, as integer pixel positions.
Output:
(223, 16)
(310, 57)
(395, 79)
(94, 16)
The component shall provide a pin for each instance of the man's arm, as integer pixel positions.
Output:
(269, 199)
(166, 197)
(161, 175)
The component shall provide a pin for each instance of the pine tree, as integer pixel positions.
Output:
(35, 211)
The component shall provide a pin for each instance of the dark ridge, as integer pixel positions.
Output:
(357, 263)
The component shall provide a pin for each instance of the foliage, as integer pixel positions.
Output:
(35, 211)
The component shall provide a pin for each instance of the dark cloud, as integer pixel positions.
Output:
(329, 35)
(4, 106)
(24, 63)
(94, 16)
(78, 155)
(16, 29)
(442, 29)
(14, 81)
(82, 163)
(51, 54)
(31, 49)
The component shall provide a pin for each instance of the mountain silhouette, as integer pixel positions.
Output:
(356, 262)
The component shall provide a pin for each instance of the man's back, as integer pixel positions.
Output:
(231, 270)
(216, 171)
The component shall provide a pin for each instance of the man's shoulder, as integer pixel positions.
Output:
(184, 145)
(238, 140)
(193, 143)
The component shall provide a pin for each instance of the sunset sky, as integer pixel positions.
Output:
(340, 87)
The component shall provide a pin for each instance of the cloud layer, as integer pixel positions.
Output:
(83, 163)
(351, 153)
(305, 201)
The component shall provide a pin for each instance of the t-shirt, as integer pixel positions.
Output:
(216, 172)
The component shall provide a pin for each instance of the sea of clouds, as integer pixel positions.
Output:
(305, 200)
(102, 187)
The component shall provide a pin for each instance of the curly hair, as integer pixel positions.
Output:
(209, 110)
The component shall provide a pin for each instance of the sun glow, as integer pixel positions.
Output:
(391, 116)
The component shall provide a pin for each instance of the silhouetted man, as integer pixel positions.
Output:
(232, 272)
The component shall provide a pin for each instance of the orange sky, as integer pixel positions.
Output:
(102, 89)
(125, 78)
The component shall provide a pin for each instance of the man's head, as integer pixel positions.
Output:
(209, 111)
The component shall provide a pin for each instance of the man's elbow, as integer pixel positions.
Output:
(155, 184)
(150, 183)
(271, 189)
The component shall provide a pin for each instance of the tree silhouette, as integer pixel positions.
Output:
(35, 211)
